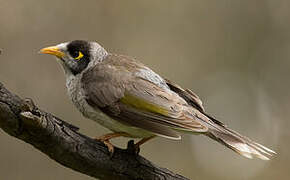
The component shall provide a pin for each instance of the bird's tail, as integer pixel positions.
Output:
(238, 143)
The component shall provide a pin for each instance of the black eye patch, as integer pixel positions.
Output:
(80, 51)
(77, 46)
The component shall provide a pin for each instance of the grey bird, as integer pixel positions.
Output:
(130, 99)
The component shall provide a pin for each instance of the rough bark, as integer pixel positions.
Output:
(63, 143)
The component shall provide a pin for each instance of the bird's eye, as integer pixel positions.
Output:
(79, 56)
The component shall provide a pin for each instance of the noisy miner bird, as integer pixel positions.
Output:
(133, 101)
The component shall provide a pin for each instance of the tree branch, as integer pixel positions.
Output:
(62, 142)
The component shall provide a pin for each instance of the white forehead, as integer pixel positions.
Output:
(63, 46)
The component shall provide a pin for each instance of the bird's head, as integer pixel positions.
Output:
(76, 56)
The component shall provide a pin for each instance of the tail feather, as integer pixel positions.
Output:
(238, 143)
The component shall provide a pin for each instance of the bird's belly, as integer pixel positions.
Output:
(112, 124)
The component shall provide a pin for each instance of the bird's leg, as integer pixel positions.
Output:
(136, 147)
(142, 141)
(106, 139)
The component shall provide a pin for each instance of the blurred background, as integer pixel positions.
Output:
(233, 54)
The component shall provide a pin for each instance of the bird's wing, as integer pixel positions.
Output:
(191, 98)
(133, 94)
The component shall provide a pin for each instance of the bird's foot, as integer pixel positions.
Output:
(108, 144)
(110, 147)
(106, 140)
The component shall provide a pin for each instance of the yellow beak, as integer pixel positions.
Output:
(53, 50)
